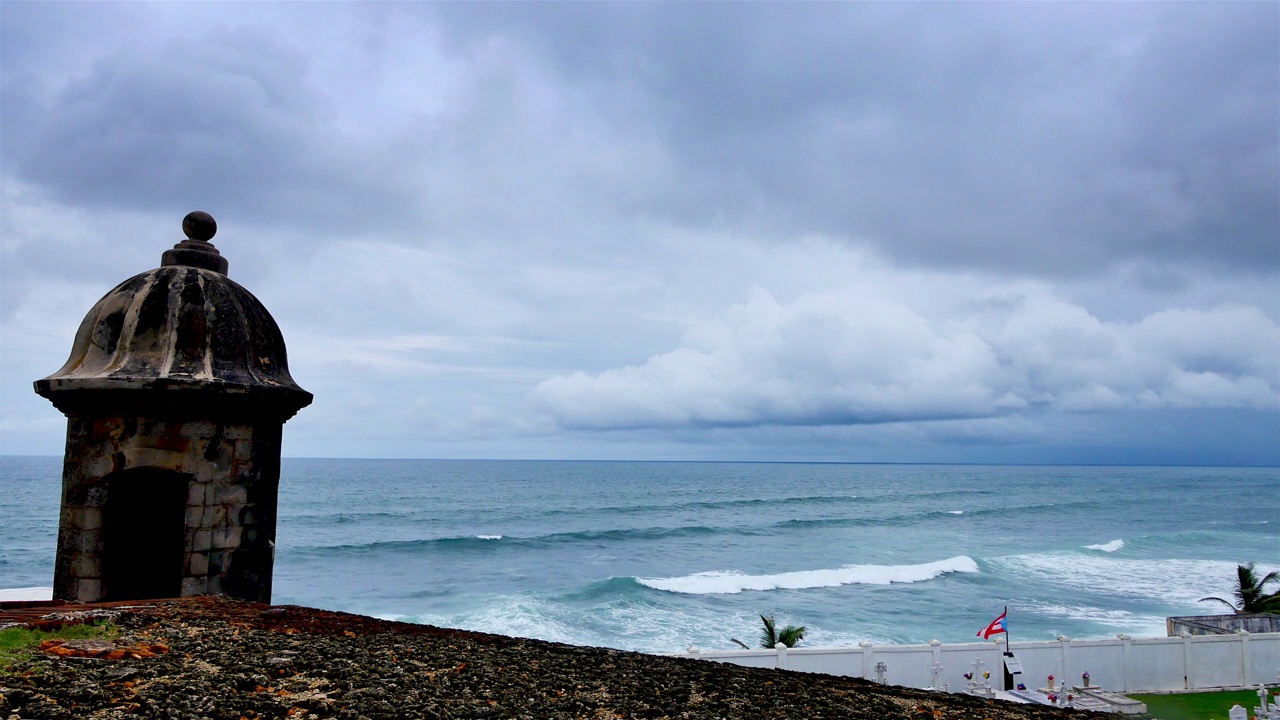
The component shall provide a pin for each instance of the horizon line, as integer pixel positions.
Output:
(746, 462)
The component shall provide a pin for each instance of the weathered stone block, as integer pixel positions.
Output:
(76, 492)
(238, 432)
(217, 453)
(214, 516)
(194, 586)
(172, 444)
(244, 450)
(153, 457)
(195, 516)
(197, 564)
(88, 590)
(201, 541)
(88, 518)
(98, 465)
(218, 561)
(198, 429)
(89, 541)
(87, 566)
(227, 537)
(196, 492)
(95, 495)
(231, 495)
(154, 428)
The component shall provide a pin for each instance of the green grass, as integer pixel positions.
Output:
(1198, 706)
(17, 644)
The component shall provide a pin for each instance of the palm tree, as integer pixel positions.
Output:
(1251, 592)
(770, 636)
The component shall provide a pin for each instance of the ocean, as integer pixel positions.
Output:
(659, 556)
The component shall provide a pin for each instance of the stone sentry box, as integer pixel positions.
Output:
(176, 393)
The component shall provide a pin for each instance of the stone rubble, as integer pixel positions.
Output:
(220, 659)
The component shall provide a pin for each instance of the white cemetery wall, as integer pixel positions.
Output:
(1264, 658)
(831, 661)
(1138, 665)
(1102, 659)
(747, 658)
(906, 664)
(1214, 661)
(1156, 664)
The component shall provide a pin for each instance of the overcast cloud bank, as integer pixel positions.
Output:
(859, 356)
(972, 232)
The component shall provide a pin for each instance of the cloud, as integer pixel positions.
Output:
(857, 356)
(1040, 138)
(989, 227)
(177, 122)
(1028, 138)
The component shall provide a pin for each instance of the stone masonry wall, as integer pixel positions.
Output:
(233, 472)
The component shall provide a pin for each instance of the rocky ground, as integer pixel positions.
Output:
(218, 658)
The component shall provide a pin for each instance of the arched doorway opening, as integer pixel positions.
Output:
(144, 534)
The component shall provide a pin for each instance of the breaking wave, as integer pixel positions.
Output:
(732, 582)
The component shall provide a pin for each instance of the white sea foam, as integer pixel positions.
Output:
(514, 615)
(1176, 581)
(634, 626)
(489, 537)
(26, 593)
(1112, 546)
(955, 512)
(1136, 623)
(733, 582)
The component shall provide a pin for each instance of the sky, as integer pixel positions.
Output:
(865, 232)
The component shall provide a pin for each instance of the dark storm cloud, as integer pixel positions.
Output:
(691, 229)
(230, 117)
(1044, 138)
(1040, 137)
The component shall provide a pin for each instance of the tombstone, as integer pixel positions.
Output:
(1264, 710)
(1237, 713)
(176, 394)
(976, 681)
(1012, 670)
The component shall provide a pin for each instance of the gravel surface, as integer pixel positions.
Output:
(219, 658)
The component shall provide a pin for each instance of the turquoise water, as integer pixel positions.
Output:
(660, 556)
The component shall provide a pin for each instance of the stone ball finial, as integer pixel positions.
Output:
(196, 251)
(199, 225)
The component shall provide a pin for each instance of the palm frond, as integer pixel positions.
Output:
(1250, 592)
(790, 635)
(769, 635)
(1273, 576)
(1218, 599)
(1270, 604)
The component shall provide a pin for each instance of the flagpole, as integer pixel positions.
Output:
(1008, 646)
(1008, 652)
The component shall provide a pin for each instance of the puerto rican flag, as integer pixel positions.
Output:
(997, 626)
